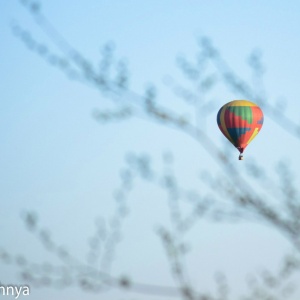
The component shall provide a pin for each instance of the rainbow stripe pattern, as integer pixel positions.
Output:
(240, 121)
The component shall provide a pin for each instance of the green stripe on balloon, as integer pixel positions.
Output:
(245, 112)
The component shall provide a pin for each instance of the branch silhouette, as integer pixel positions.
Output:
(243, 202)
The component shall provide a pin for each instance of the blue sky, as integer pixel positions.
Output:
(58, 161)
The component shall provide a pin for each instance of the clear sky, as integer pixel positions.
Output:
(58, 161)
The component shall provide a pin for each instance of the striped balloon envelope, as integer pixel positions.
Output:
(240, 121)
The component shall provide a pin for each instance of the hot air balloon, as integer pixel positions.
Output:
(240, 121)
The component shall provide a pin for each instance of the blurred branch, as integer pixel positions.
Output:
(237, 84)
(111, 78)
(73, 271)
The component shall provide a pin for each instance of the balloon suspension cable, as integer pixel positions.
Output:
(241, 150)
